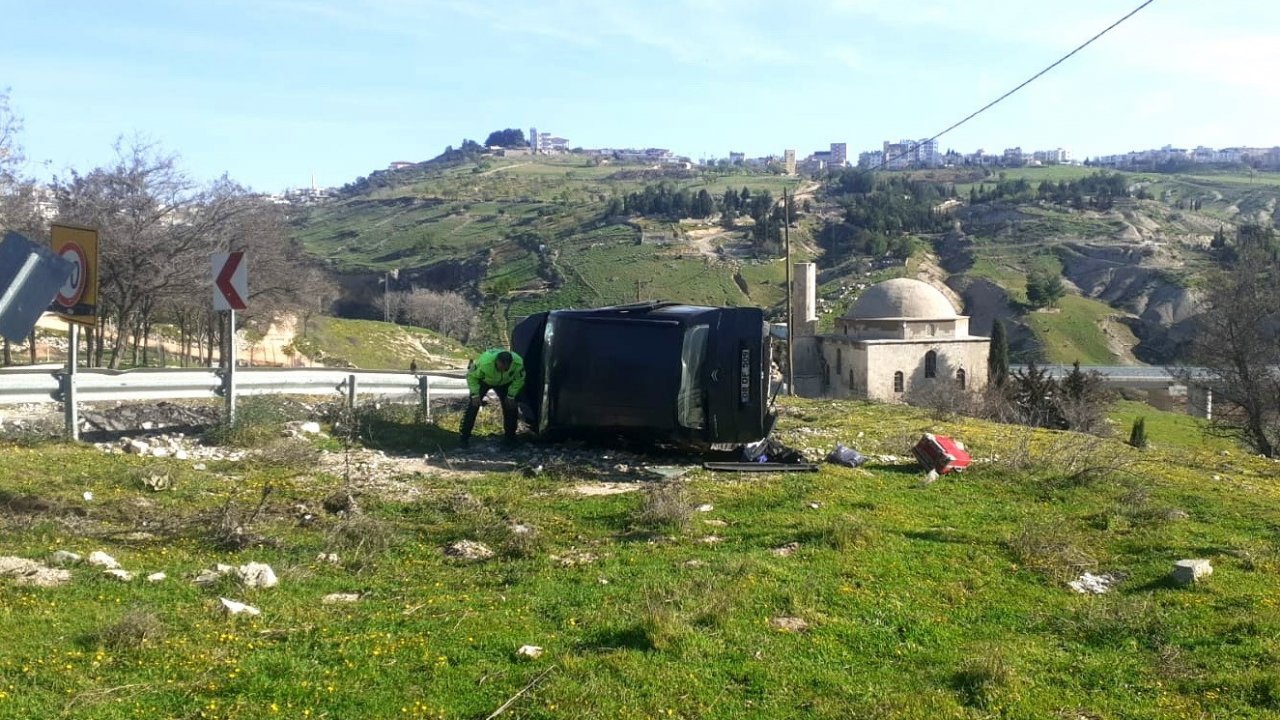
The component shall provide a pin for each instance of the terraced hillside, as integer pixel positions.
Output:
(522, 234)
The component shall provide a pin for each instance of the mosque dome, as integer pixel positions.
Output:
(902, 299)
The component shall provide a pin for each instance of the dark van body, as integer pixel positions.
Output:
(685, 373)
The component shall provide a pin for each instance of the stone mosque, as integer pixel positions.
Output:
(900, 337)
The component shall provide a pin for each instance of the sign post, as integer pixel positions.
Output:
(230, 290)
(77, 303)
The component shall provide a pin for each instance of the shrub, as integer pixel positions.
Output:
(1138, 434)
(136, 628)
(986, 681)
(665, 507)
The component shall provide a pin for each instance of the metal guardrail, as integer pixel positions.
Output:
(31, 386)
(1127, 373)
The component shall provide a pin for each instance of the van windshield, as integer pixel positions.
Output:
(691, 403)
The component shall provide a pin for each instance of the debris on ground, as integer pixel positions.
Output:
(30, 572)
(157, 577)
(468, 550)
(846, 456)
(771, 450)
(234, 607)
(1090, 584)
(529, 651)
(119, 574)
(941, 454)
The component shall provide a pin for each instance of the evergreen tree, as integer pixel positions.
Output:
(1138, 434)
(998, 356)
(1044, 288)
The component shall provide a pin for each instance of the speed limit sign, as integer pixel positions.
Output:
(77, 299)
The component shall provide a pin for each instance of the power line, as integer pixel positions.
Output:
(1023, 84)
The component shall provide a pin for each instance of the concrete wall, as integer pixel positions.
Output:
(883, 360)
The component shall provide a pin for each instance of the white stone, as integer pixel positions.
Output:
(119, 574)
(469, 550)
(199, 466)
(257, 575)
(159, 452)
(336, 598)
(156, 577)
(101, 559)
(529, 651)
(88, 496)
(233, 607)
(136, 447)
(181, 455)
(1188, 572)
(1090, 584)
(310, 428)
(706, 507)
(331, 558)
(64, 557)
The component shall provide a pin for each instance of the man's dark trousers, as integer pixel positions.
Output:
(508, 411)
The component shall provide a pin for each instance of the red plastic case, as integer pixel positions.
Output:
(941, 453)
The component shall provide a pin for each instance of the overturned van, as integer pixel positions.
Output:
(666, 371)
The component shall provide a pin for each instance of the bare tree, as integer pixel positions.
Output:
(1238, 344)
(17, 192)
(139, 204)
(448, 313)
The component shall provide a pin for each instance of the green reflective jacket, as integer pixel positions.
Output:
(485, 370)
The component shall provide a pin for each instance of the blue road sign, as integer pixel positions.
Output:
(30, 276)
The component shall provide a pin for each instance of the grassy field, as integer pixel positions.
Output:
(1077, 331)
(943, 600)
(374, 345)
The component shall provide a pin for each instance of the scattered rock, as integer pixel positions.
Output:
(309, 428)
(119, 573)
(30, 572)
(199, 466)
(469, 550)
(705, 507)
(213, 574)
(521, 529)
(529, 651)
(88, 496)
(1176, 514)
(786, 550)
(64, 557)
(694, 564)
(814, 506)
(1189, 572)
(715, 523)
(330, 558)
(1090, 584)
(338, 598)
(789, 624)
(711, 540)
(157, 577)
(592, 489)
(233, 607)
(341, 502)
(574, 557)
(103, 560)
(136, 447)
(157, 482)
(257, 575)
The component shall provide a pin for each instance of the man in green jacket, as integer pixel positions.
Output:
(501, 371)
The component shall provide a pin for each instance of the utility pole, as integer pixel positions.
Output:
(791, 326)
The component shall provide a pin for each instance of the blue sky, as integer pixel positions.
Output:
(271, 91)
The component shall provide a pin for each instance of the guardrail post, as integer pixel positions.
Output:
(70, 413)
(351, 391)
(424, 392)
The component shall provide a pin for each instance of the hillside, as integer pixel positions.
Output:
(523, 234)
(843, 593)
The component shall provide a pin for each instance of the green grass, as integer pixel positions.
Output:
(923, 601)
(1074, 332)
(373, 345)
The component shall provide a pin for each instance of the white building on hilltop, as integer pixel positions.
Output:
(900, 337)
